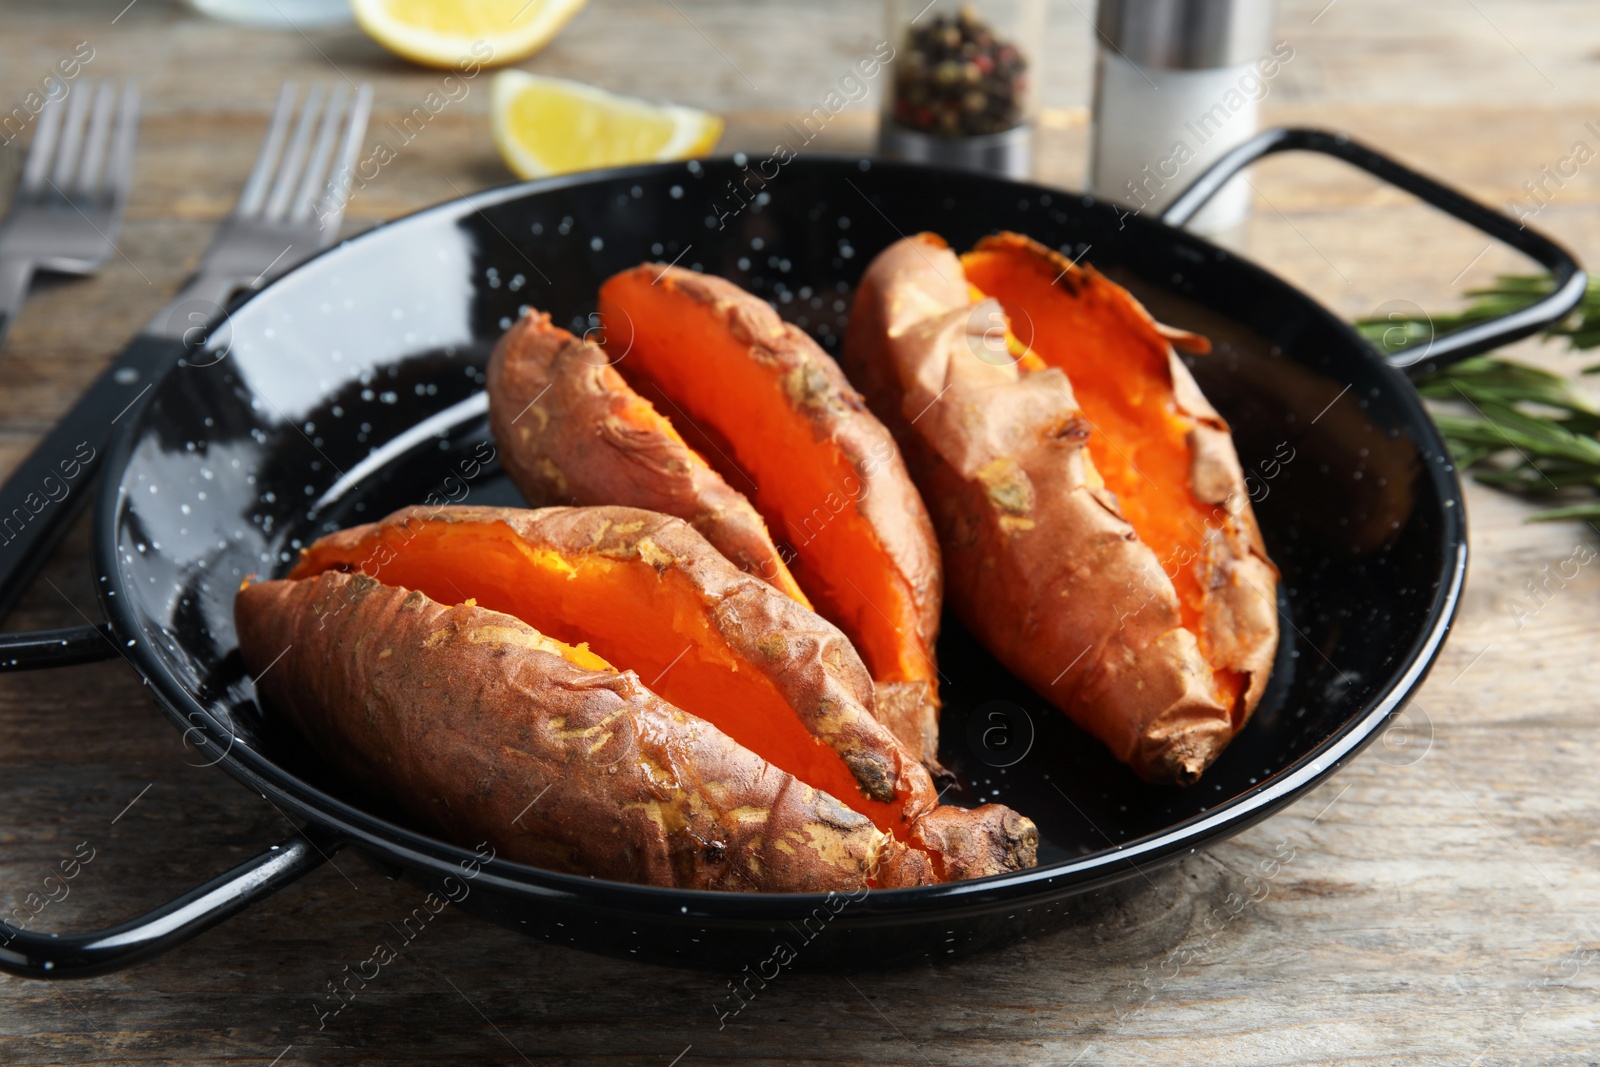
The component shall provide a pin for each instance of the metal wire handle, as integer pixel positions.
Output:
(1570, 280)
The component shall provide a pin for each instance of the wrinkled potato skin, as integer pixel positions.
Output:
(1038, 559)
(461, 717)
(837, 413)
(809, 660)
(1241, 617)
(484, 692)
(560, 413)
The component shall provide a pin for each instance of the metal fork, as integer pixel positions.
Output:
(291, 206)
(75, 181)
(292, 202)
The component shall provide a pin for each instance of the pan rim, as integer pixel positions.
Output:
(416, 850)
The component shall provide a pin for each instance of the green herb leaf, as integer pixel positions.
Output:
(1591, 512)
(1518, 428)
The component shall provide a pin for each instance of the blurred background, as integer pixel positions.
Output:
(1479, 92)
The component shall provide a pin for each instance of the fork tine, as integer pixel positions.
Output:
(71, 137)
(43, 148)
(295, 156)
(255, 188)
(300, 207)
(331, 208)
(94, 142)
(119, 171)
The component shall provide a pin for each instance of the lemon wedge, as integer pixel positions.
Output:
(546, 126)
(451, 33)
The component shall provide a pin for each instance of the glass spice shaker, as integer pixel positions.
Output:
(964, 86)
(1177, 85)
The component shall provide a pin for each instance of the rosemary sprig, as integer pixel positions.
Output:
(1518, 428)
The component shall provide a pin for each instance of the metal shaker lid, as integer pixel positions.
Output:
(1186, 34)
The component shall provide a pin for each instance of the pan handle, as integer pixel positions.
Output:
(68, 647)
(36, 955)
(29, 954)
(1458, 344)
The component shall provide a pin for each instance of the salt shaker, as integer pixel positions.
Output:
(965, 83)
(1177, 84)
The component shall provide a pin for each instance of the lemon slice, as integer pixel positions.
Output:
(546, 126)
(451, 33)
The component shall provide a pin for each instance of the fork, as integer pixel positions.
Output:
(291, 206)
(69, 203)
(280, 220)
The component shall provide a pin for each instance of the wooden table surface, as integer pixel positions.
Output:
(1439, 905)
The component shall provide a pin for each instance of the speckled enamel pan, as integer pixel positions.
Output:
(353, 386)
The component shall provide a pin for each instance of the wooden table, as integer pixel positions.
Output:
(1440, 898)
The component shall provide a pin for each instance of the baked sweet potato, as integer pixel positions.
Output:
(771, 414)
(1096, 531)
(483, 666)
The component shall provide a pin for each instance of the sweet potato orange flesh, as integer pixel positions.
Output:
(682, 349)
(579, 655)
(625, 612)
(1116, 360)
(642, 415)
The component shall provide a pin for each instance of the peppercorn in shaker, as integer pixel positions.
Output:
(964, 84)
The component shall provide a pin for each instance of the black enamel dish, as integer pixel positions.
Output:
(353, 386)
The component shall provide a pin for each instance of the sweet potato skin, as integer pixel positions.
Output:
(341, 662)
(572, 431)
(1040, 563)
(462, 716)
(820, 396)
(811, 662)
(1240, 621)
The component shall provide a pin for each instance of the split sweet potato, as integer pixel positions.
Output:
(1096, 531)
(598, 690)
(715, 410)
